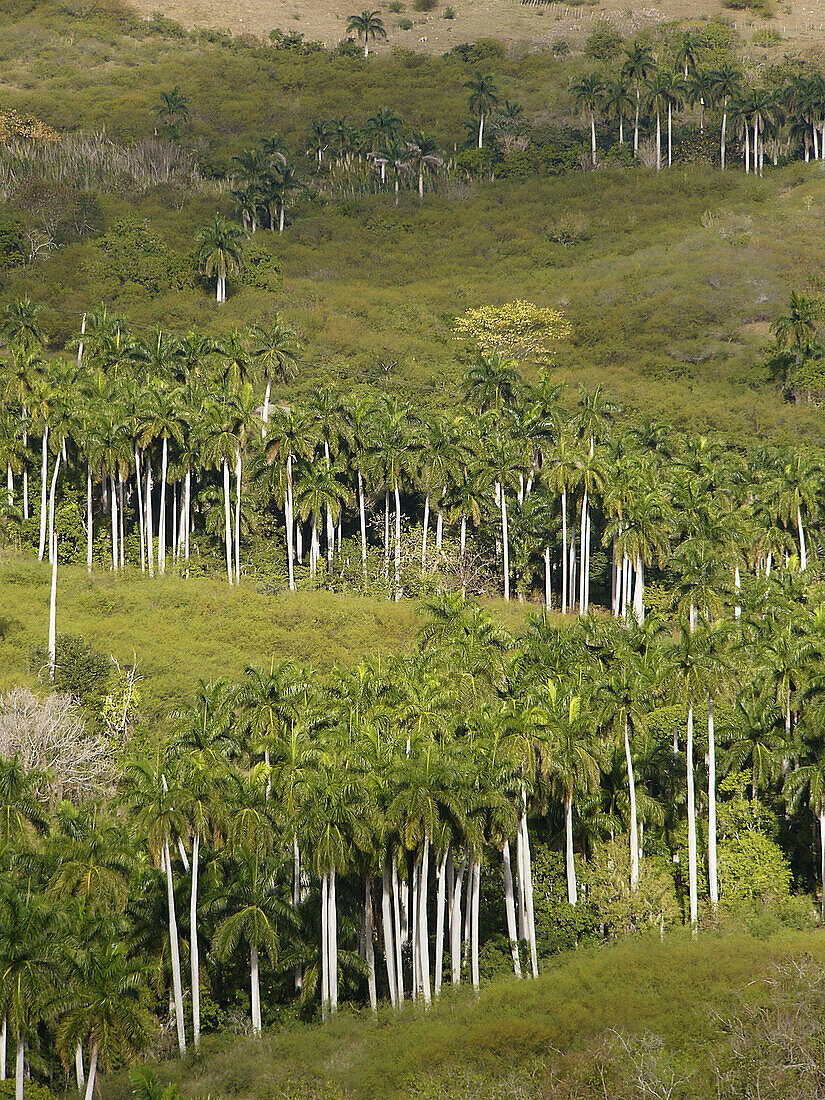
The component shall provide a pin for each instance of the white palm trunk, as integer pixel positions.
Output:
(548, 590)
(227, 520)
(572, 570)
(397, 542)
(9, 485)
(658, 142)
(53, 614)
(722, 146)
(255, 982)
(639, 591)
(636, 122)
(440, 908)
(289, 516)
(89, 518)
(4, 1035)
(79, 1071)
(362, 514)
(528, 894)
(586, 566)
(52, 500)
(333, 945)
(691, 813)
(164, 470)
(19, 1069)
(396, 903)
(821, 863)
(44, 477)
(175, 517)
(424, 534)
(369, 946)
(455, 924)
(564, 551)
(113, 510)
(187, 516)
(177, 985)
(386, 534)
(481, 131)
(423, 934)
(713, 877)
(150, 533)
(737, 584)
(439, 523)
(582, 545)
(387, 929)
(194, 952)
(570, 867)
(510, 908)
(669, 134)
(803, 552)
(474, 919)
(505, 544)
(634, 826)
(238, 491)
(121, 520)
(324, 946)
(90, 1083)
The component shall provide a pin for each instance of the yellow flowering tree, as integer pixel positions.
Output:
(14, 127)
(521, 329)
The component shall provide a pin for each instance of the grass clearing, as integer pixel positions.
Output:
(517, 1039)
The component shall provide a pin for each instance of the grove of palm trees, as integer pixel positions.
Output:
(412, 602)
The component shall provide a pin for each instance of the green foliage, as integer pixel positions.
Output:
(620, 910)
(34, 1090)
(752, 867)
(80, 670)
(604, 43)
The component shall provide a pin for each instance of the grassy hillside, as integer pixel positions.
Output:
(607, 1022)
(180, 631)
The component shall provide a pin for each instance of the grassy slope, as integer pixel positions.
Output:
(183, 630)
(514, 1039)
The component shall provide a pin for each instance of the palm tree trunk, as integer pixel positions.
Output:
(669, 134)
(397, 542)
(548, 591)
(4, 1035)
(53, 613)
(423, 934)
(265, 410)
(52, 499)
(505, 543)
(227, 519)
(691, 812)
(333, 945)
(439, 523)
(582, 544)
(19, 1068)
(510, 908)
(369, 946)
(187, 516)
(90, 1084)
(79, 1071)
(193, 944)
(113, 509)
(399, 967)
(481, 131)
(455, 924)
(803, 553)
(634, 827)
(255, 990)
(636, 122)
(362, 514)
(387, 928)
(476, 898)
(289, 517)
(564, 551)
(238, 483)
(586, 566)
(89, 518)
(821, 864)
(724, 131)
(44, 474)
(177, 985)
(121, 519)
(528, 890)
(713, 879)
(324, 945)
(593, 137)
(639, 591)
(424, 535)
(570, 867)
(164, 471)
(386, 534)
(150, 536)
(440, 907)
(658, 142)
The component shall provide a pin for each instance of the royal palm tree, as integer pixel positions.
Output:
(483, 100)
(588, 95)
(220, 252)
(368, 25)
(637, 68)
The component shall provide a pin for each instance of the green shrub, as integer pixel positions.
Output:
(80, 670)
(33, 1090)
(449, 13)
(425, 5)
(405, 24)
(752, 868)
(604, 43)
(473, 53)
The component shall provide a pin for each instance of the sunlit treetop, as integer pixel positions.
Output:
(15, 127)
(521, 329)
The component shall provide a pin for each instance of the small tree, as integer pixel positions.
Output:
(220, 252)
(368, 25)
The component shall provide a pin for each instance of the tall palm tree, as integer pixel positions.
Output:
(637, 68)
(588, 94)
(617, 102)
(483, 100)
(220, 252)
(368, 25)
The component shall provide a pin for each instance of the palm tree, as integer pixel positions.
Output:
(665, 91)
(588, 96)
(637, 68)
(797, 328)
(220, 252)
(808, 779)
(173, 109)
(423, 155)
(686, 53)
(368, 25)
(483, 100)
(275, 347)
(617, 102)
(255, 914)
